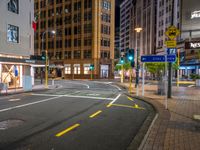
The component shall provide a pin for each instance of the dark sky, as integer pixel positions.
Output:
(117, 12)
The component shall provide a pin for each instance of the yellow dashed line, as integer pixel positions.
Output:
(67, 130)
(95, 114)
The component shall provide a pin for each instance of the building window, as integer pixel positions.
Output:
(86, 69)
(13, 34)
(87, 4)
(77, 69)
(67, 70)
(13, 6)
(87, 42)
(77, 6)
(77, 54)
(87, 54)
(106, 5)
(77, 42)
(68, 54)
(87, 28)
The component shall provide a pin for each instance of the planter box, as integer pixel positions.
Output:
(198, 82)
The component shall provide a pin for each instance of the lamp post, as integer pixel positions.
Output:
(46, 59)
(138, 30)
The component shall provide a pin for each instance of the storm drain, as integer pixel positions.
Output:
(6, 124)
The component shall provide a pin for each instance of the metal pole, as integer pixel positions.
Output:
(122, 74)
(46, 71)
(178, 51)
(169, 94)
(166, 96)
(137, 73)
(143, 79)
(130, 82)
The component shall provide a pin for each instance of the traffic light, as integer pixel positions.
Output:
(43, 57)
(91, 67)
(131, 55)
(122, 60)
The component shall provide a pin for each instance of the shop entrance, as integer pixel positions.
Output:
(104, 71)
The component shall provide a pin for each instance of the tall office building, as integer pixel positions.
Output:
(164, 20)
(125, 24)
(16, 42)
(143, 16)
(84, 36)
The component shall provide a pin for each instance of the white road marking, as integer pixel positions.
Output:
(116, 87)
(114, 100)
(190, 85)
(28, 104)
(12, 100)
(93, 94)
(76, 96)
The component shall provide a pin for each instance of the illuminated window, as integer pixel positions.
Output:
(67, 70)
(86, 69)
(77, 69)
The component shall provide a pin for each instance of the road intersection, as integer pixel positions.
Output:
(79, 115)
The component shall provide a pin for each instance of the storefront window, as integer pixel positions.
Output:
(86, 69)
(10, 75)
(77, 69)
(68, 70)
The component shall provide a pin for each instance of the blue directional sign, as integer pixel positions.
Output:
(171, 51)
(158, 58)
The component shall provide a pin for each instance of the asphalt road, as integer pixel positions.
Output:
(79, 115)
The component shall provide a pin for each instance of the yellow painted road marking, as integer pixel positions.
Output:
(129, 98)
(67, 130)
(109, 105)
(95, 114)
(127, 106)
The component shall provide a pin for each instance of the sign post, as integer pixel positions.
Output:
(172, 32)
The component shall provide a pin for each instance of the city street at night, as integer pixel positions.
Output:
(84, 115)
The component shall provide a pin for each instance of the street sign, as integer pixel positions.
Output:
(172, 32)
(171, 51)
(170, 44)
(158, 58)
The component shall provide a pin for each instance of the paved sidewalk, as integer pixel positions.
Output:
(175, 128)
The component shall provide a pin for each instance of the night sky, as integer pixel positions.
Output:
(117, 12)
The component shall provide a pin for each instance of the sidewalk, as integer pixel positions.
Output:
(175, 128)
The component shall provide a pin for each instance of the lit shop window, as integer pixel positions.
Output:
(13, 6)
(77, 70)
(13, 34)
(68, 70)
(86, 69)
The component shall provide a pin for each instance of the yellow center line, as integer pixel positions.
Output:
(95, 114)
(67, 130)
(129, 98)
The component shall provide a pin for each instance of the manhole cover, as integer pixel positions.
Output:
(6, 124)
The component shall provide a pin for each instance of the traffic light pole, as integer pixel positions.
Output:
(46, 70)
(137, 73)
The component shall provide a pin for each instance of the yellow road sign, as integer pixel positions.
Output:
(172, 32)
(170, 44)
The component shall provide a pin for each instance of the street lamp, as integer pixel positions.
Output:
(138, 30)
(46, 61)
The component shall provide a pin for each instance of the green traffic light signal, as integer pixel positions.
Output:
(91, 67)
(122, 60)
(43, 57)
